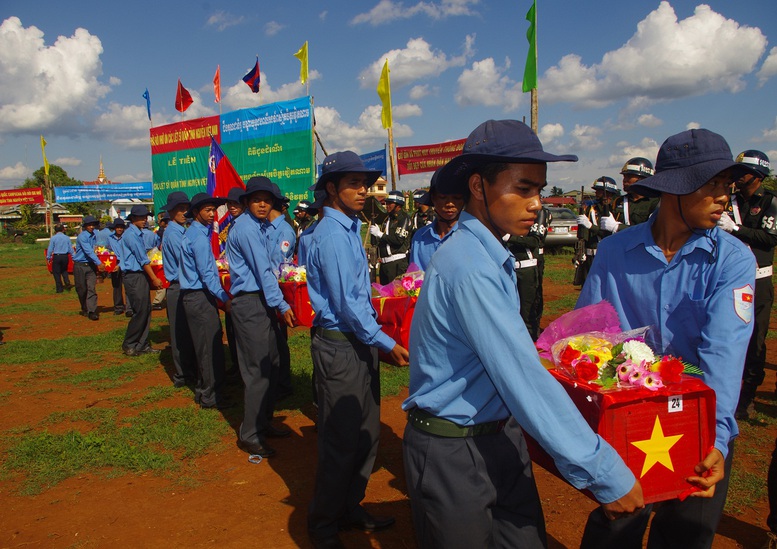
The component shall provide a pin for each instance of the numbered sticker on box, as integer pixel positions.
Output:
(675, 403)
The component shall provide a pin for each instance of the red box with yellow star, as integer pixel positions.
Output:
(661, 435)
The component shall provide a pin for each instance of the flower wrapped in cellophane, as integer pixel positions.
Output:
(609, 358)
(405, 285)
(292, 273)
(155, 256)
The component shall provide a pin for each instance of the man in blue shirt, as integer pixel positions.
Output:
(101, 236)
(182, 348)
(200, 288)
(85, 267)
(137, 274)
(116, 245)
(257, 299)
(60, 250)
(475, 377)
(429, 237)
(150, 238)
(345, 359)
(693, 284)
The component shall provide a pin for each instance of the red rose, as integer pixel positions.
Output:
(569, 355)
(586, 370)
(670, 369)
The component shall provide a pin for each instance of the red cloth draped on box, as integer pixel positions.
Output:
(296, 295)
(69, 263)
(395, 315)
(109, 260)
(159, 271)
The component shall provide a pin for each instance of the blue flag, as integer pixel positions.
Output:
(148, 102)
(252, 79)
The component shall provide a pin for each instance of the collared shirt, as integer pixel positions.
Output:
(171, 250)
(150, 239)
(280, 240)
(691, 304)
(85, 243)
(425, 243)
(339, 280)
(59, 244)
(198, 270)
(135, 255)
(116, 245)
(472, 361)
(303, 243)
(249, 262)
(101, 236)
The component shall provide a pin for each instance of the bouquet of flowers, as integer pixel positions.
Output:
(155, 256)
(613, 359)
(406, 285)
(292, 273)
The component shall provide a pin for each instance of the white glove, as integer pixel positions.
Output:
(375, 231)
(727, 224)
(609, 224)
(584, 221)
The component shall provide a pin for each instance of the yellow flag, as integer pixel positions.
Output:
(302, 55)
(384, 91)
(43, 150)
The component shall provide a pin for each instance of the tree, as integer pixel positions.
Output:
(771, 183)
(59, 178)
(556, 191)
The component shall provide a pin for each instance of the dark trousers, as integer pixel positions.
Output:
(136, 336)
(689, 524)
(85, 278)
(771, 490)
(755, 360)
(181, 345)
(284, 356)
(59, 271)
(527, 294)
(389, 271)
(258, 357)
(202, 314)
(472, 491)
(229, 325)
(348, 389)
(118, 291)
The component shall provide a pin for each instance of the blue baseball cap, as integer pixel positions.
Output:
(343, 162)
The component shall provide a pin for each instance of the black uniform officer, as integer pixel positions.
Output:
(424, 213)
(589, 228)
(631, 208)
(393, 239)
(751, 217)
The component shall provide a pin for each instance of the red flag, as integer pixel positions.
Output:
(183, 99)
(217, 84)
(222, 177)
(252, 79)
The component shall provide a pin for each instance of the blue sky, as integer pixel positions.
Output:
(616, 78)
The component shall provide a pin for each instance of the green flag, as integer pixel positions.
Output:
(530, 72)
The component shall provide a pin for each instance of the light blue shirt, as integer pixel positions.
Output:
(150, 239)
(691, 304)
(101, 236)
(171, 250)
(303, 245)
(85, 244)
(198, 270)
(59, 244)
(116, 245)
(339, 280)
(472, 361)
(281, 241)
(135, 255)
(425, 243)
(249, 262)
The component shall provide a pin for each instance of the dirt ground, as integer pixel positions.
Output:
(231, 502)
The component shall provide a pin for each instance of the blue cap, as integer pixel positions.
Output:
(343, 162)
(175, 198)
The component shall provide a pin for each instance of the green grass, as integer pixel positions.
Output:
(105, 377)
(50, 350)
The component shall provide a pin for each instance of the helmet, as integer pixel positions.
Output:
(606, 184)
(418, 194)
(395, 197)
(756, 160)
(638, 166)
(303, 205)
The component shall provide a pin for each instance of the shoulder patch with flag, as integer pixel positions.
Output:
(285, 246)
(743, 303)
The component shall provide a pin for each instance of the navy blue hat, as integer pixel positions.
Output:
(109, 225)
(165, 217)
(119, 222)
(261, 183)
(234, 194)
(89, 220)
(174, 199)
(493, 141)
(318, 201)
(395, 197)
(339, 163)
(140, 210)
(688, 160)
(202, 199)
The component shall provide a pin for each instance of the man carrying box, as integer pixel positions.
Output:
(693, 284)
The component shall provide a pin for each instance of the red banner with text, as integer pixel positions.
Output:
(427, 158)
(12, 197)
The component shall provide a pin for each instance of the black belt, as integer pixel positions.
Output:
(62, 254)
(171, 282)
(83, 263)
(255, 292)
(335, 335)
(424, 421)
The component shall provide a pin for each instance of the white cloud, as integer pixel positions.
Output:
(322, 15)
(646, 148)
(769, 68)
(406, 110)
(693, 126)
(240, 96)
(67, 161)
(15, 173)
(550, 132)
(222, 20)
(47, 88)
(586, 137)
(419, 92)
(272, 28)
(487, 84)
(664, 59)
(415, 62)
(387, 11)
(649, 121)
(128, 125)
(366, 135)
(769, 134)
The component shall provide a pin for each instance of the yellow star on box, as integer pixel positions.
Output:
(108, 262)
(657, 448)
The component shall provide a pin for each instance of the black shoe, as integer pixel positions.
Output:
(179, 383)
(369, 523)
(219, 405)
(60, 291)
(149, 350)
(118, 312)
(83, 313)
(131, 351)
(94, 316)
(129, 314)
(156, 307)
(276, 432)
(329, 542)
(255, 448)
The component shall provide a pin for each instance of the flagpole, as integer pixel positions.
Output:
(535, 107)
(391, 157)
